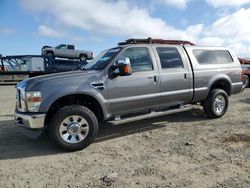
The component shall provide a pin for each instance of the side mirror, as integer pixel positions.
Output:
(123, 66)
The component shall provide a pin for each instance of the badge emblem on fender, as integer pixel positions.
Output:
(98, 84)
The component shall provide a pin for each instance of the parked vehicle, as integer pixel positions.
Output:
(66, 51)
(136, 80)
(19, 67)
(245, 71)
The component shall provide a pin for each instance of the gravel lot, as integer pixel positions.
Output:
(180, 150)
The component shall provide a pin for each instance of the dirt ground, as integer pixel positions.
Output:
(180, 150)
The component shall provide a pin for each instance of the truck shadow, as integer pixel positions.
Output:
(108, 132)
(13, 144)
(247, 100)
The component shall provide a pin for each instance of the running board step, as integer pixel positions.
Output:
(151, 115)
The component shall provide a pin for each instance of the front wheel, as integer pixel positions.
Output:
(50, 55)
(82, 57)
(73, 127)
(215, 106)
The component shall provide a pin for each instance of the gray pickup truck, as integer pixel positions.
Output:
(66, 51)
(136, 80)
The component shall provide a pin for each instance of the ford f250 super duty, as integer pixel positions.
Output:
(138, 79)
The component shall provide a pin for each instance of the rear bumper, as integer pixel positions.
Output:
(237, 88)
(30, 120)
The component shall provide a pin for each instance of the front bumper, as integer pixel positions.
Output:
(30, 120)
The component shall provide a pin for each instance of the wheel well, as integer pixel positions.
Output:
(49, 51)
(222, 84)
(84, 100)
(82, 54)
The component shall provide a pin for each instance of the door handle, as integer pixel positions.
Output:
(156, 79)
(185, 76)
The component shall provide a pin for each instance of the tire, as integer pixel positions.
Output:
(82, 57)
(50, 55)
(216, 104)
(73, 127)
(245, 81)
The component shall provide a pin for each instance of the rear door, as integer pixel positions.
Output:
(71, 51)
(141, 89)
(175, 75)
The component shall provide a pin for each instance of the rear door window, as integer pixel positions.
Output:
(169, 57)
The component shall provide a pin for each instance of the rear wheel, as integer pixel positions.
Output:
(73, 127)
(215, 106)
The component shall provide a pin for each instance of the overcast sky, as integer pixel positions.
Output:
(27, 25)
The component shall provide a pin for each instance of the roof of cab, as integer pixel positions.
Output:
(155, 41)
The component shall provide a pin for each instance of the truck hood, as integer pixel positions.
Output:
(46, 47)
(69, 78)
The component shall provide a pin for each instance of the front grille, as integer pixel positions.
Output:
(20, 101)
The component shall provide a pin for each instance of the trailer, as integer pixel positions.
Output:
(19, 67)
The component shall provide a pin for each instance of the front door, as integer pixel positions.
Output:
(141, 89)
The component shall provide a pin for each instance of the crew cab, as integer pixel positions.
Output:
(66, 51)
(138, 79)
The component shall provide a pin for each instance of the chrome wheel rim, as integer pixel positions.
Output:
(219, 104)
(74, 129)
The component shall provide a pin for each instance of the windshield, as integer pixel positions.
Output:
(100, 61)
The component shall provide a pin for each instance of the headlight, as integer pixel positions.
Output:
(33, 99)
